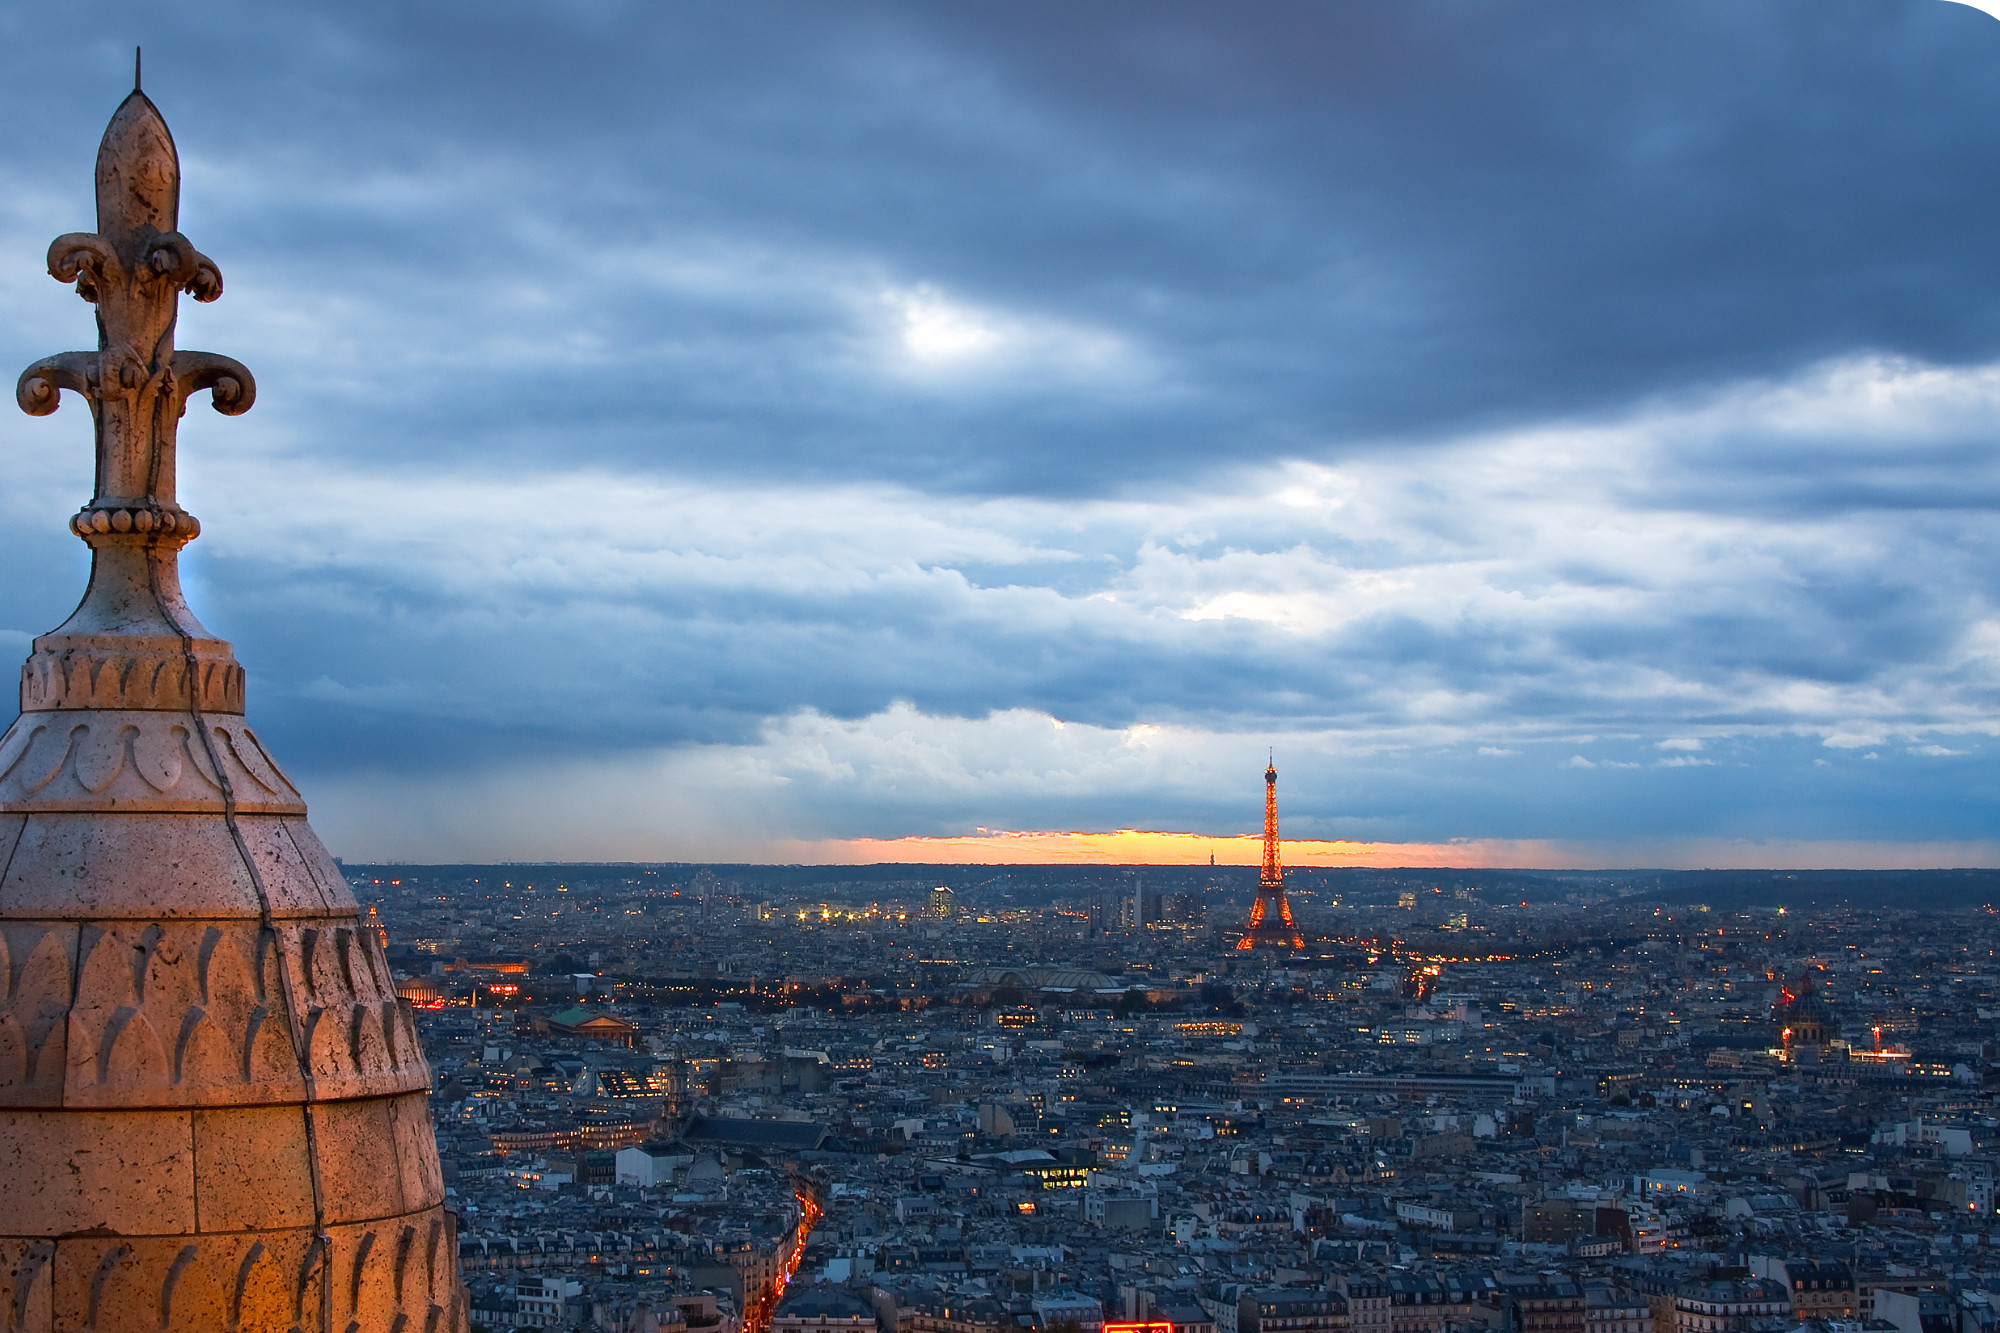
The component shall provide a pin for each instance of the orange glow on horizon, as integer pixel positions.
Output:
(1166, 847)
(1152, 847)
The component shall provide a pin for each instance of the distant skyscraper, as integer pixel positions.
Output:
(704, 890)
(1270, 923)
(1148, 907)
(942, 904)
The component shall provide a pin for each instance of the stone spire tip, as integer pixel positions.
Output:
(134, 269)
(172, 897)
(138, 172)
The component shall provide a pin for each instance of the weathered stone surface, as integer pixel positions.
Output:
(213, 1110)
(357, 1184)
(127, 1172)
(319, 864)
(252, 1170)
(139, 760)
(367, 1276)
(416, 1151)
(193, 1013)
(77, 865)
(111, 671)
(281, 865)
(39, 958)
(27, 1285)
(138, 867)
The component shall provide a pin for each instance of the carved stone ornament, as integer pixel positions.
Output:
(214, 1112)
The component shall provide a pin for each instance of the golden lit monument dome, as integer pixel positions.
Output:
(213, 1113)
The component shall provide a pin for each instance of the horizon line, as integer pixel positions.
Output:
(1167, 849)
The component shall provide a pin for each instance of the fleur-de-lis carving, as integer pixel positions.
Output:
(134, 642)
(134, 269)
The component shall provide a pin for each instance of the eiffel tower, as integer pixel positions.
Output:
(1270, 923)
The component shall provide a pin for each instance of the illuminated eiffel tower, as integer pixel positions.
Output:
(1270, 921)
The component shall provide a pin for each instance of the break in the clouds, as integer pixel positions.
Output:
(725, 431)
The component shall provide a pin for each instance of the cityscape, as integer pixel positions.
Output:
(975, 1099)
(774, 540)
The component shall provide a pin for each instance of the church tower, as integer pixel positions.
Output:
(213, 1112)
(1270, 923)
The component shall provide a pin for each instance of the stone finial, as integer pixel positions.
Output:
(134, 642)
(212, 1105)
(133, 268)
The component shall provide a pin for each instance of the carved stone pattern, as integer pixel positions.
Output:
(213, 1110)
(146, 518)
(137, 760)
(190, 1013)
(134, 268)
(128, 677)
(396, 1275)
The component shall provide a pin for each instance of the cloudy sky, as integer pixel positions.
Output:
(1564, 433)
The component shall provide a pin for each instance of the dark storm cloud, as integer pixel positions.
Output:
(640, 234)
(823, 386)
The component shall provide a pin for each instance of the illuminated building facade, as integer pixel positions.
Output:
(941, 905)
(1270, 924)
(581, 1022)
(1804, 1022)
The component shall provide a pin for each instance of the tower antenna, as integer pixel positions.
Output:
(138, 55)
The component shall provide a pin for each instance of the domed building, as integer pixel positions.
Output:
(213, 1112)
(1803, 1019)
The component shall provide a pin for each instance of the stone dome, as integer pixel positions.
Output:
(213, 1111)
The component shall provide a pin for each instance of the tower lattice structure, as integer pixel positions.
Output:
(1270, 921)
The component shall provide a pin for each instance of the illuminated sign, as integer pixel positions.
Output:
(1159, 1327)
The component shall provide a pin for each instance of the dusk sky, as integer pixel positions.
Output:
(1563, 433)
